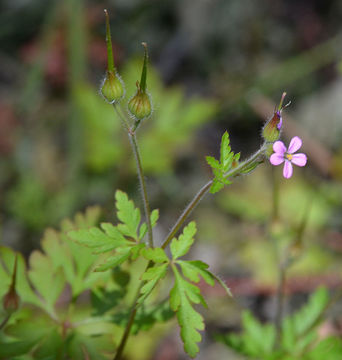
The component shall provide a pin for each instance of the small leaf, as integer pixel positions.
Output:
(181, 246)
(152, 277)
(121, 255)
(304, 320)
(190, 321)
(194, 269)
(215, 164)
(154, 219)
(128, 215)
(216, 186)
(97, 239)
(225, 149)
(156, 255)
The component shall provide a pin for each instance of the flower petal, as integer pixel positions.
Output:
(276, 159)
(295, 144)
(280, 120)
(299, 159)
(279, 147)
(287, 170)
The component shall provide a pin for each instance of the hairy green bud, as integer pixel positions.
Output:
(112, 87)
(140, 105)
(272, 129)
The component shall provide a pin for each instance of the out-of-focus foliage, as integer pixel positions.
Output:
(61, 147)
(162, 138)
(299, 335)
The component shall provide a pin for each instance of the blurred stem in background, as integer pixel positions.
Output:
(77, 74)
(282, 259)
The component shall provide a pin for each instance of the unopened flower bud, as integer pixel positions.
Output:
(140, 105)
(272, 129)
(11, 300)
(112, 87)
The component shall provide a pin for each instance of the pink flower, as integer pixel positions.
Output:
(281, 154)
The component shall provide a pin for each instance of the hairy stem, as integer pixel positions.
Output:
(129, 325)
(203, 191)
(194, 202)
(135, 149)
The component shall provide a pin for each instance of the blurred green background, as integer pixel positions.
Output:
(214, 66)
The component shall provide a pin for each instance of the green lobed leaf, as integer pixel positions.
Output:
(23, 287)
(215, 164)
(256, 340)
(216, 186)
(194, 269)
(181, 246)
(154, 219)
(303, 321)
(156, 255)
(220, 168)
(42, 275)
(128, 214)
(76, 260)
(190, 321)
(328, 349)
(121, 255)
(225, 151)
(97, 239)
(80, 346)
(152, 276)
(146, 316)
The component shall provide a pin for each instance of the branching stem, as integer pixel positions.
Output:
(194, 202)
(203, 191)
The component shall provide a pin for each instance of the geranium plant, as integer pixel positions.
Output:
(87, 258)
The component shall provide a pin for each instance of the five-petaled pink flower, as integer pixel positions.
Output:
(281, 154)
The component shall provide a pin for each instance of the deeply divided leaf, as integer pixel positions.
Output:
(193, 270)
(181, 246)
(128, 214)
(220, 168)
(152, 277)
(190, 321)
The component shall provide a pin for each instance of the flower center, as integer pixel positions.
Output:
(289, 156)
